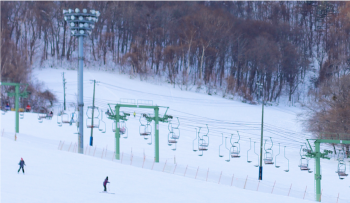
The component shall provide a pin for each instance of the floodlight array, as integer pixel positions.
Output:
(81, 23)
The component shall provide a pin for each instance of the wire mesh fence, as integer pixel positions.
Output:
(204, 174)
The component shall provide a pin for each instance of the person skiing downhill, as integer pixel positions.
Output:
(21, 165)
(105, 184)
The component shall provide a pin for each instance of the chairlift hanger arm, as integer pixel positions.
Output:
(111, 112)
(24, 94)
(328, 141)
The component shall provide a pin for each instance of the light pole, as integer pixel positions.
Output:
(260, 85)
(81, 25)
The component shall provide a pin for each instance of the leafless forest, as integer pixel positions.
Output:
(226, 47)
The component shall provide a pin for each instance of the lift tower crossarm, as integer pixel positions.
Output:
(115, 116)
(16, 94)
(317, 154)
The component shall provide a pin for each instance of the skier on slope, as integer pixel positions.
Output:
(21, 165)
(28, 108)
(105, 184)
(7, 108)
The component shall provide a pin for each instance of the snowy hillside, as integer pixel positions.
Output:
(56, 176)
(55, 170)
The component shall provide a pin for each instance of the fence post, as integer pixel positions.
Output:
(174, 168)
(89, 149)
(70, 146)
(338, 198)
(121, 160)
(132, 156)
(143, 160)
(95, 151)
(290, 189)
(196, 173)
(220, 177)
(207, 175)
(305, 192)
(185, 170)
(233, 175)
(273, 187)
(153, 164)
(86, 149)
(62, 145)
(59, 144)
(245, 182)
(164, 165)
(113, 155)
(102, 153)
(258, 186)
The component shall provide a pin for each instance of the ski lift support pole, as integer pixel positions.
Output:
(93, 111)
(156, 119)
(260, 85)
(317, 154)
(64, 91)
(17, 95)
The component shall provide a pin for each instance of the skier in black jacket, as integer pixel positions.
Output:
(21, 165)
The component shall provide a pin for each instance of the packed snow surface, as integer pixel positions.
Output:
(61, 176)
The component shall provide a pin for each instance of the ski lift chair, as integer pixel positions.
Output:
(304, 164)
(235, 152)
(341, 165)
(229, 151)
(279, 151)
(41, 116)
(250, 148)
(235, 149)
(172, 140)
(95, 124)
(172, 136)
(122, 128)
(222, 142)
(102, 126)
(287, 170)
(175, 130)
(145, 130)
(21, 115)
(341, 170)
(59, 120)
(203, 142)
(65, 117)
(256, 165)
(268, 157)
(193, 148)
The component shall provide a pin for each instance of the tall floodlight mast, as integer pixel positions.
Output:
(81, 24)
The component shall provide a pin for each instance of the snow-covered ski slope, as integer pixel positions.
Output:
(57, 176)
(194, 110)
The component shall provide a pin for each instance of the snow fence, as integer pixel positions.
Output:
(202, 174)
